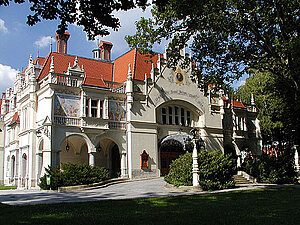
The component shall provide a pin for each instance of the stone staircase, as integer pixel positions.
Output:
(240, 180)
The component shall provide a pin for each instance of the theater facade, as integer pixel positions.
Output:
(131, 115)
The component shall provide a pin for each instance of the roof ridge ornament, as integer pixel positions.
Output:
(52, 65)
(75, 62)
(30, 61)
(129, 73)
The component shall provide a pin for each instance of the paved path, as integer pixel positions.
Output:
(128, 190)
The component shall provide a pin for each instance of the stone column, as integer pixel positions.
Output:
(239, 161)
(91, 159)
(123, 165)
(195, 166)
(297, 166)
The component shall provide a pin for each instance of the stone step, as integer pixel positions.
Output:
(241, 180)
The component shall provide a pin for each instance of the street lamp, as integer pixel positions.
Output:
(67, 146)
(195, 170)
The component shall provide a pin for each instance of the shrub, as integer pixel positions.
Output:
(56, 179)
(180, 173)
(215, 171)
(77, 174)
(73, 174)
(270, 169)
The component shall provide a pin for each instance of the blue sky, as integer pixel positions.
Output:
(18, 40)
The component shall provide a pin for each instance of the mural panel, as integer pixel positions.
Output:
(68, 106)
(116, 111)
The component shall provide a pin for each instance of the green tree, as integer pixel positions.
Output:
(230, 37)
(270, 104)
(95, 16)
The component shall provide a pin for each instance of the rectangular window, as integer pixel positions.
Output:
(176, 115)
(164, 116)
(101, 109)
(188, 118)
(94, 108)
(87, 107)
(170, 115)
(182, 121)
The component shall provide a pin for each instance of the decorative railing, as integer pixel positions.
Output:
(65, 80)
(92, 122)
(116, 125)
(89, 122)
(69, 121)
(115, 87)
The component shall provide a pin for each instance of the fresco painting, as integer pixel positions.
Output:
(116, 111)
(68, 106)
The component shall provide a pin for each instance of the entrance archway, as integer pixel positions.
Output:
(115, 161)
(169, 150)
(13, 167)
(24, 169)
(74, 150)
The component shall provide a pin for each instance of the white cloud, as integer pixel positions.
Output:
(2, 26)
(7, 77)
(43, 42)
(239, 83)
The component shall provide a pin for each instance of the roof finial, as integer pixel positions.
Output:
(52, 65)
(129, 74)
(51, 44)
(252, 99)
(30, 61)
(76, 61)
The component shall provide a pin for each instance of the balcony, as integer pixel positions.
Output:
(89, 122)
(67, 121)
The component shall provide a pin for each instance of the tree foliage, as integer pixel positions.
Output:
(216, 170)
(230, 37)
(95, 16)
(268, 100)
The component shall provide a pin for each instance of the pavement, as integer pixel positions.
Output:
(128, 190)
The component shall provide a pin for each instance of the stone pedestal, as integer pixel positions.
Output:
(195, 166)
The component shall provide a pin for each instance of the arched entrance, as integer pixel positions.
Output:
(115, 161)
(24, 170)
(39, 158)
(171, 147)
(13, 167)
(74, 150)
(169, 150)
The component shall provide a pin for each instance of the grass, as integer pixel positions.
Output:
(265, 206)
(2, 187)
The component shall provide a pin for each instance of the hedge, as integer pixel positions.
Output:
(73, 174)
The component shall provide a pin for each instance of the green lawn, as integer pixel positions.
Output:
(2, 187)
(266, 206)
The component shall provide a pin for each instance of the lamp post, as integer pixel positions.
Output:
(195, 159)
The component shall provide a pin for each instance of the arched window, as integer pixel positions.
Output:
(13, 166)
(176, 115)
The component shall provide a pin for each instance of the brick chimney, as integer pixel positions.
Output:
(62, 40)
(105, 48)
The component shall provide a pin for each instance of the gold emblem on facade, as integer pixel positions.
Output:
(179, 77)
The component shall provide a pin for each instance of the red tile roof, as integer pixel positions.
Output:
(140, 64)
(39, 60)
(16, 119)
(237, 104)
(1, 101)
(94, 69)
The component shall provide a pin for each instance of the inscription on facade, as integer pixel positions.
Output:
(195, 97)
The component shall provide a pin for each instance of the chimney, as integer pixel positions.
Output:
(62, 40)
(105, 48)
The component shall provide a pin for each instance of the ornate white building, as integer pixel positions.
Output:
(129, 115)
